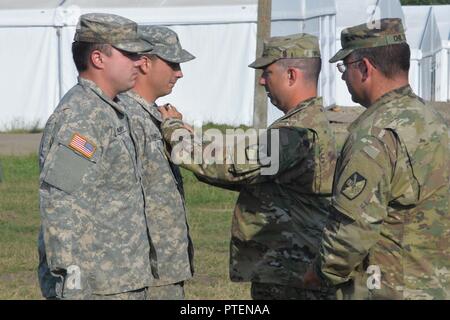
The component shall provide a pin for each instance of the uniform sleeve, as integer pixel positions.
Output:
(69, 151)
(359, 207)
(237, 160)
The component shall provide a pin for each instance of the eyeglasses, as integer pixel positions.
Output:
(342, 66)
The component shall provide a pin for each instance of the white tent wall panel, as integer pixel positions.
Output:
(414, 76)
(29, 76)
(427, 77)
(414, 23)
(448, 74)
(442, 75)
(442, 14)
(430, 66)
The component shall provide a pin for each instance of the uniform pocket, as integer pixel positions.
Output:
(67, 169)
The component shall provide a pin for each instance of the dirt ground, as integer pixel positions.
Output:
(18, 144)
(340, 117)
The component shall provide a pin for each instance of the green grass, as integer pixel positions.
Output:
(209, 214)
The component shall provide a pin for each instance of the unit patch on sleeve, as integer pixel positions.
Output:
(82, 145)
(354, 185)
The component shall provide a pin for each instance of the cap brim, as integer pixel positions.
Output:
(340, 55)
(138, 46)
(185, 56)
(261, 62)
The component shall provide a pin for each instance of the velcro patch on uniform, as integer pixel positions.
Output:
(353, 186)
(82, 145)
(371, 151)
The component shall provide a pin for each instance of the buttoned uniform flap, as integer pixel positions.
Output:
(70, 158)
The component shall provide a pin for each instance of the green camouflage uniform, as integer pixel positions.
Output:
(94, 240)
(162, 181)
(278, 218)
(390, 229)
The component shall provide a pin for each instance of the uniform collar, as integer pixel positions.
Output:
(149, 107)
(99, 92)
(303, 105)
(383, 100)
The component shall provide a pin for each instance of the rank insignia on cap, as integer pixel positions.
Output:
(353, 186)
(82, 145)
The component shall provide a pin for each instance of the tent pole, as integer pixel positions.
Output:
(263, 33)
(58, 33)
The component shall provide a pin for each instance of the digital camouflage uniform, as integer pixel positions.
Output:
(94, 240)
(162, 181)
(391, 225)
(278, 218)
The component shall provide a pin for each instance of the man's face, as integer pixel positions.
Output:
(274, 79)
(164, 75)
(122, 69)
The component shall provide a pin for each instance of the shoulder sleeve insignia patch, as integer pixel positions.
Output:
(354, 185)
(82, 145)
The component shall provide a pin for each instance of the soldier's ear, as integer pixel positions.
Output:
(96, 59)
(145, 66)
(292, 75)
(366, 68)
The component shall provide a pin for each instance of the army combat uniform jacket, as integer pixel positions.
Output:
(94, 237)
(390, 230)
(278, 218)
(164, 196)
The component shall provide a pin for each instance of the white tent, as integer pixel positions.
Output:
(442, 15)
(314, 17)
(430, 45)
(218, 85)
(350, 13)
(415, 21)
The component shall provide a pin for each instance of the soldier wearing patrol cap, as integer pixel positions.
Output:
(94, 242)
(162, 181)
(388, 237)
(278, 218)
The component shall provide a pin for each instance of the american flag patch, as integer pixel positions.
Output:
(82, 145)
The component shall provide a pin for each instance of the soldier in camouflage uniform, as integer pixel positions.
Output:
(162, 181)
(94, 241)
(279, 217)
(388, 237)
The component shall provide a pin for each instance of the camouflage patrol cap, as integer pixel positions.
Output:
(166, 44)
(293, 46)
(377, 34)
(111, 29)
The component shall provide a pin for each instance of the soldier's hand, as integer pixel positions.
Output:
(169, 111)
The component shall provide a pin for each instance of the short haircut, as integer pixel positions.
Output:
(390, 60)
(309, 66)
(81, 52)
